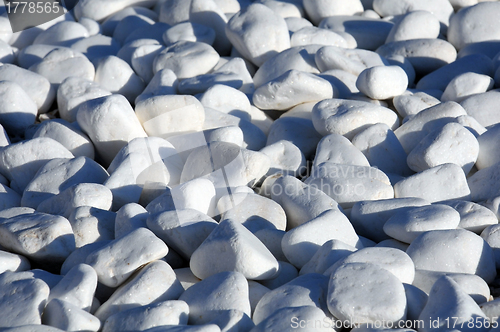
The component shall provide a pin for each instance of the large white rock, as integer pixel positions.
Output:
(21, 161)
(407, 225)
(313, 35)
(63, 33)
(308, 290)
(369, 217)
(366, 293)
(462, 31)
(148, 316)
(435, 184)
(456, 250)
(59, 174)
(442, 9)
(232, 247)
(450, 144)
(116, 76)
(69, 135)
(337, 149)
(38, 236)
(91, 224)
(466, 85)
(349, 117)
(155, 282)
(487, 141)
(183, 230)
(416, 24)
(246, 29)
(111, 123)
(348, 184)
(457, 304)
(301, 243)
(187, 59)
(290, 89)
(17, 109)
(318, 10)
(22, 300)
(353, 61)
(286, 158)
(62, 63)
(169, 115)
(300, 201)
(382, 82)
(69, 317)
(218, 293)
(483, 107)
(483, 184)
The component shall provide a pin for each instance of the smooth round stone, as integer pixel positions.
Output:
(76, 287)
(425, 55)
(187, 59)
(29, 296)
(328, 254)
(488, 142)
(6, 53)
(465, 85)
(300, 201)
(483, 107)
(91, 225)
(393, 260)
(353, 61)
(471, 284)
(38, 236)
(125, 53)
(299, 58)
(82, 194)
(474, 24)
(285, 9)
(318, 10)
(439, 183)
(382, 149)
(407, 225)
(232, 247)
(301, 243)
(395, 79)
(369, 217)
(163, 82)
(189, 31)
(290, 89)
(253, 211)
(144, 317)
(451, 144)
(116, 76)
(473, 217)
(181, 113)
(68, 135)
(129, 217)
(369, 33)
(246, 29)
(297, 23)
(13, 262)
(419, 126)
(212, 296)
(72, 92)
(348, 184)
(35, 85)
(418, 24)
(366, 293)
(33, 54)
(412, 103)
(21, 161)
(97, 47)
(142, 60)
(17, 110)
(286, 158)
(484, 184)
(442, 9)
(155, 282)
(111, 123)
(337, 149)
(349, 117)
(238, 66)
(463, 307)
(440, 78)
(313, 35)
(491, 235)
(307, 290)
(64, 33)
(471, 124)
(60, 64)
(456, 250)
(59, 174)
(120, 258)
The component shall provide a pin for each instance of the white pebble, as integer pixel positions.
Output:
(313, 35)
(92, 224)
(382, 82)
(482, 107)
(487, 142)
(189, 31)
(317, 10)
(418, 24)
(465, 85)
(473, 217)
(353, 61)
(17, 109)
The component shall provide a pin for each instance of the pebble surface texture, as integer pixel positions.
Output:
(251, 166)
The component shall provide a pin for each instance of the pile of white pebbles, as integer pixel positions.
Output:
(236, 166)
